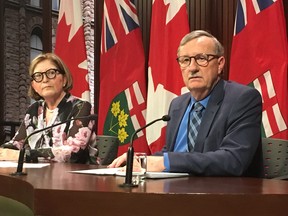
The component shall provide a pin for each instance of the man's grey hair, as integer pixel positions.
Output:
(219, 49)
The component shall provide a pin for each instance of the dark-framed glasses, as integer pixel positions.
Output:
(201, 59)
(50, 74)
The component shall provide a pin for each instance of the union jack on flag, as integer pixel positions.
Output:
(259, 58)
(241, 16)
(122, 101)
(128, 21)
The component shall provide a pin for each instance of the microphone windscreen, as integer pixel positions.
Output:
(166, 118)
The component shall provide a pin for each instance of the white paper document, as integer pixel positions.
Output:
(119, 172)
(7, 164)
(159, 175)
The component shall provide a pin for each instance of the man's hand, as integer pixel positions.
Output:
(155, 163)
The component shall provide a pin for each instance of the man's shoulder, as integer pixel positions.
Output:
(236, 90)
(238, 87)
(183, 97)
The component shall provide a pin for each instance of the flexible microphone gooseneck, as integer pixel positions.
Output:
(130, 153)
(19, 170)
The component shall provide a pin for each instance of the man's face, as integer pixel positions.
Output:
(201, 79)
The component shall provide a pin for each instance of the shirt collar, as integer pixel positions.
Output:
(204, 101)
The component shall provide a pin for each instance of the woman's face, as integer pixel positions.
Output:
(49, 88)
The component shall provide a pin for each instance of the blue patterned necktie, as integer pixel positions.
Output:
(194, 123)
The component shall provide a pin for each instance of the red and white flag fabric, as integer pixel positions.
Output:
(168, 25)
(122, 102)
(70, 46)
(259, 58)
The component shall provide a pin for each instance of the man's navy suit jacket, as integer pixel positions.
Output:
(229, 137)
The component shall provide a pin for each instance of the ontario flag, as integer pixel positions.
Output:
(70, 46)
(168, 25)
(122, 99)
(259, 58)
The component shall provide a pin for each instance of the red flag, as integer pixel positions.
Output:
(70, 46)
(168, 25)
(259, 58)
(122, 103)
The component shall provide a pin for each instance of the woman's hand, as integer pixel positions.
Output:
(119, 161)
(9, 154)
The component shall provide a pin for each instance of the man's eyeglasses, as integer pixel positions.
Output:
(50, 74)
(201, 59)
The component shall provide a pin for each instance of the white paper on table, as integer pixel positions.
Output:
(7, 164)
(104, 171)
(119, 172)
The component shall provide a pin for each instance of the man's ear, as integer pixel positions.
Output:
(221, 63)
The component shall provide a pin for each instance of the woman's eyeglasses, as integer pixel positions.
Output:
(50, 74)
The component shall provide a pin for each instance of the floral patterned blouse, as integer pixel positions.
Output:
(64, 143)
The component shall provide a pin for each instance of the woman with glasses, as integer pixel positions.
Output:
(51, 82)
(215, 128)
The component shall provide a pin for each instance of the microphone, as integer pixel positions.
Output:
(19, 170)
(130, 153)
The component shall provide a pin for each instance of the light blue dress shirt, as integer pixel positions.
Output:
(181, 139)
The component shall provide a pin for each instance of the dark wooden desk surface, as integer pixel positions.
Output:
(53, 190)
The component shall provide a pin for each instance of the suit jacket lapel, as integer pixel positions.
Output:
(210, 113)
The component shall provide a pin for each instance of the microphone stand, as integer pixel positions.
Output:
(19, 170)
(129, 163)
(130, 154)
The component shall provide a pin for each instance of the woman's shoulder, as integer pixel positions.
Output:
(36, 104)
(78, 103)
(76, 100)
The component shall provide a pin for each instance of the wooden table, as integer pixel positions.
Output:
(54, 191)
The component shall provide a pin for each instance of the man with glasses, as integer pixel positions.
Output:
(215, 128)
